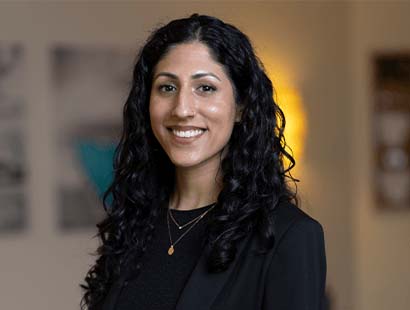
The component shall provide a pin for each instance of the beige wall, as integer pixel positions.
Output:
(382, 239)
(305, 45)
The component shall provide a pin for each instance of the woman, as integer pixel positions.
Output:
(202, 216)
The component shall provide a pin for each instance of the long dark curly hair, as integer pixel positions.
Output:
(255, 176)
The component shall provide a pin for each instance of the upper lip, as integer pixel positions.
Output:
(185, 128)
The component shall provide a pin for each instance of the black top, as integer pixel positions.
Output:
(163, 276)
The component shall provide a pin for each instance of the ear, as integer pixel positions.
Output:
(238, 113)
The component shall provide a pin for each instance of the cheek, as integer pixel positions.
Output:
(155, 114)
(223, 108)
(155, 122)
(222, 114)
(222, 122)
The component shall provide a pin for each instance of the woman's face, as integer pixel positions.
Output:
(192, 106)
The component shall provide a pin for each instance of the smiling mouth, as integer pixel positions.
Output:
(192, 133)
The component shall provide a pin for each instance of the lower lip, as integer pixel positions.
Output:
(185, 140)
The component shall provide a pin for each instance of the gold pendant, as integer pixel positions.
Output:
(171, 250)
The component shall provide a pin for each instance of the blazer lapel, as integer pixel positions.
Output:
(203, 287)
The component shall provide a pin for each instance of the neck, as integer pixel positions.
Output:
(195, 188)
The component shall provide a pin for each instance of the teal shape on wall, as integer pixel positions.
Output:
(96, 160)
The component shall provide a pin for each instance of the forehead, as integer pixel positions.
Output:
(189, 58)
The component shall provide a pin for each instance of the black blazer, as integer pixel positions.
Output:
(291, 276)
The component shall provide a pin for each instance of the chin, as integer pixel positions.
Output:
(185, 163)
(188, 159)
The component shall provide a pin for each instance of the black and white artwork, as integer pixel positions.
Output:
(13, 167)
(90, 87)
(391, 124)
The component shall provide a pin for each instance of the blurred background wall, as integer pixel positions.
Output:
(320, 50)
(381, 239)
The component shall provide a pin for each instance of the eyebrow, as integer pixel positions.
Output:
(194, 77)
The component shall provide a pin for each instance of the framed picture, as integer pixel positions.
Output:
(391, 130)
(13, 159)
(90, 86)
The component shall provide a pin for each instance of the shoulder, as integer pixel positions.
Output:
(292, 228)
(295, 273)
(291, 224)
(299, 249)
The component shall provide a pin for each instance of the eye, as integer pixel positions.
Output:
(207, 88)
(166, 88)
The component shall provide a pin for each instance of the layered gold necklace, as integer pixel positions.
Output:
(192, 222)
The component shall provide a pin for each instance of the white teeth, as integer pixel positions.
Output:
(187, 134)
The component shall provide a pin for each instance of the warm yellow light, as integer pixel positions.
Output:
(295, 130)
(289, 100)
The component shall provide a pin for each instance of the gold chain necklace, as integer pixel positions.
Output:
(186, 224)
(194, 222)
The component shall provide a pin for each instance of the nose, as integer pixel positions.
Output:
(184, 104)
